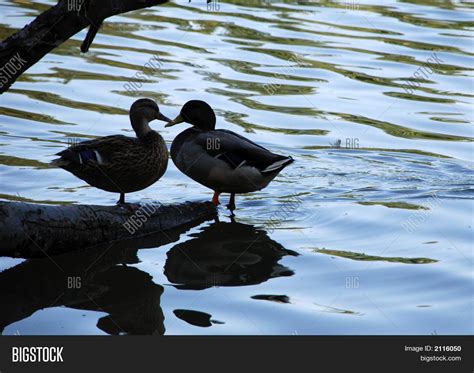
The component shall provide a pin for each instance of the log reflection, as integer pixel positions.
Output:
(96, 279)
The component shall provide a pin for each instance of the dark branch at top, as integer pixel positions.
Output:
(54, 26)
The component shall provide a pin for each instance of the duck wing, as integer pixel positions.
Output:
(102, 150)
(238, 151)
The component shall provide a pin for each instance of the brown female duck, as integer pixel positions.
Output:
(220, 159)
(118, 163)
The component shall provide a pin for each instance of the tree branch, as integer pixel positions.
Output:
(51, 28)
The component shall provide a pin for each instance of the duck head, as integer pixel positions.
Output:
(197, 113)
(142, 112)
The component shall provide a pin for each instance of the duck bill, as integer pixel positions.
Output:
(163, 118)
(177, 120)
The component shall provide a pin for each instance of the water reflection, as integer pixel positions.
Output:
(82, 281)
(96, 279)
(196, 318)
(100, 278)
(226, 254)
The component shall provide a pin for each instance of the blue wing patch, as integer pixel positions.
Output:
(87, 155)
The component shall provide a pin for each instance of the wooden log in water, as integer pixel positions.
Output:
(54, 26)
(33, 230)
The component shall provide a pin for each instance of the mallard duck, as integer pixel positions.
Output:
(220, 159)
(118, 163)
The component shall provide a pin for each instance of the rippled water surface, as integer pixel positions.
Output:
(368, 232)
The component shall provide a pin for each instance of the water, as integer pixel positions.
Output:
(369, 235)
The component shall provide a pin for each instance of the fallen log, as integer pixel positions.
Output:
(51, 28)
(33, 230)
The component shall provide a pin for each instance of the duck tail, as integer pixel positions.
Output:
(278, 165)
(58, 162)
(66, 157)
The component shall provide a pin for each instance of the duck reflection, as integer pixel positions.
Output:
(83, 281)
(226, 254)
(96, 279)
